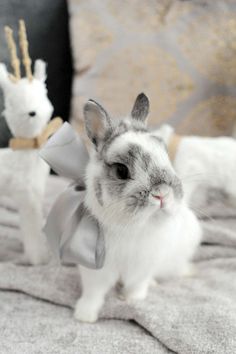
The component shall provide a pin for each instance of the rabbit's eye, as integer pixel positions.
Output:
(121, 170)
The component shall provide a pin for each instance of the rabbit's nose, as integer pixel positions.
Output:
(159, 197)
(32, 113)
(161, 194)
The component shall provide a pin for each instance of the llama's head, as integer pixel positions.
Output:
(27, 108)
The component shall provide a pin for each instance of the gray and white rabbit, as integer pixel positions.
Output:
(134, 192)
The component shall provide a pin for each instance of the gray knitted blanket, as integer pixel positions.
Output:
(187, 316)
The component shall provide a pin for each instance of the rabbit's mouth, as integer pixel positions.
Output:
(163, 203)
(163, 198)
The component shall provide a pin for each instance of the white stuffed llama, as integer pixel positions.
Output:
(23, 173)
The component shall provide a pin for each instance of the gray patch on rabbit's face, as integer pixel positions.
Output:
(162, 176)
(132, 155)
(98, 191)
(135, 154)
(114, 185)
(122, 128)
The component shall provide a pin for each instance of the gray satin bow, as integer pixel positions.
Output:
(74, 235)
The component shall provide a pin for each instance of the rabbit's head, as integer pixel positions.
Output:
(129, 176)
(27, 107)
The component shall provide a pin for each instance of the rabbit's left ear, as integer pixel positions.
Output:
(4, 76)
(40, 70)
(97, 121)
(141, 108)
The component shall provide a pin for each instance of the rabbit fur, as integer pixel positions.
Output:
(23, 173)
(137, 197)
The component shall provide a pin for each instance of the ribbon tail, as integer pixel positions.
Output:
(86, 246)
(60, 216)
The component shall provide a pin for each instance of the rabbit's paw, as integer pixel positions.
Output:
(85, 312)
(189, 271)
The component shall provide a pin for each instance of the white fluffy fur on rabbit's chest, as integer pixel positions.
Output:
(21, 170)
(157, 249)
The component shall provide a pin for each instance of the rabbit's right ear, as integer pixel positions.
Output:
(141, 108)
(4, 76)
(97, 121)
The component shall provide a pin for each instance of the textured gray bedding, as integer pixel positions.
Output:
(191, 315)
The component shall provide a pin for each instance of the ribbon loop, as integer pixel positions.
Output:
(66, 153)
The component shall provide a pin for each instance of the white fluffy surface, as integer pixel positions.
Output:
(191, 315)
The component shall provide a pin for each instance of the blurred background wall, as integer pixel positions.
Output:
(182, 54)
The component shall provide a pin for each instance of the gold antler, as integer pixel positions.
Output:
(24, 50)
(15, 63)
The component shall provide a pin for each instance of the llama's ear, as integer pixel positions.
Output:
(141, 108)
(4, 76)
(40, 70)
(97, 121)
